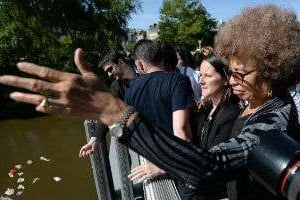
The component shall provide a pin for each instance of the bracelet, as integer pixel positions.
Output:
(117, 128)
(125, 116)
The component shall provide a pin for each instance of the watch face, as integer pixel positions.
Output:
(116, 130)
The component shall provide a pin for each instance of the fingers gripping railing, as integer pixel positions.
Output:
(161, 187)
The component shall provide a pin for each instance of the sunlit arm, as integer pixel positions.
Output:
(181, 124)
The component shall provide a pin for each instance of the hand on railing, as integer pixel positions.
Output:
(88, 148)
(145, 172)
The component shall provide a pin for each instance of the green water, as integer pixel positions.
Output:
(56, 138)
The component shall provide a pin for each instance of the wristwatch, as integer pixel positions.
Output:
(117, 129)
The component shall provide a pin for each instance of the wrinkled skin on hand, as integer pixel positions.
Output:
(87, 149)
(80, 95)
(145, 172)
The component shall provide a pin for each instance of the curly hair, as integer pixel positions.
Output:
(267, 37)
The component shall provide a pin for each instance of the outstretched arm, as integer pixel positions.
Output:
(82, 95)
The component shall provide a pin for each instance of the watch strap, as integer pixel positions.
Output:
(125, 116)
(117, 128)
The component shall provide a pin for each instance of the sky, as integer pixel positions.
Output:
(218, 9)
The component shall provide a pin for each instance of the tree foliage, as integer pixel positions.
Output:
(48, 31)
(184, 22)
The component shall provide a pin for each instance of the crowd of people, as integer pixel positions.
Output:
(199, 123)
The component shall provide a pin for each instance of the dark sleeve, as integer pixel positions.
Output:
(101, 132)
(193, 165)
(117, 89)
(182, 95)
(223, 132)
(179, 158)
(196, 121)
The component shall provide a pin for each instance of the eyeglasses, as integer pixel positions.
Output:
(239, 77)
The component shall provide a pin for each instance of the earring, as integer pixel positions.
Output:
(270, 92)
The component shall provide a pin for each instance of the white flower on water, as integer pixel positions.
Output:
(21, 187)
(20, 174)
(57, 179)
(9, 192)
(20, 180)
(29, 162)
(45, 159)
(35, 180)
(18, 166)
(19, 193)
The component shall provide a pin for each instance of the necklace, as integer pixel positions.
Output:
(249, 110)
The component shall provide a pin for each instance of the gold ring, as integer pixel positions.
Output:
(46, 105)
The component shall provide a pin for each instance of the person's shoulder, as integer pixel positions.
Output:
(115, 84)
(233, 106)
(178, 76)
(229, 111)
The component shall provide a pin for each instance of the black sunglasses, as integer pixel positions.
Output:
(239, 77)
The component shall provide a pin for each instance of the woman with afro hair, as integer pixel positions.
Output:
(262, 47)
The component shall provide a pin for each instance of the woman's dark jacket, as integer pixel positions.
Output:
(198, 166)
(209, 131)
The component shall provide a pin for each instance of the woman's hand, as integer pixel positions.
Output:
(145, 172)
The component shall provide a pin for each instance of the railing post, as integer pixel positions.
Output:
(123, 158)
(100, 162)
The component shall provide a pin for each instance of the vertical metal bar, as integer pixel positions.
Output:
(100, 162)
(123, 157)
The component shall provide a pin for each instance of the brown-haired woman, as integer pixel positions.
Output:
(213, 121)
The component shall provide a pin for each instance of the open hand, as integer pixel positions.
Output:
(69, 94)
(145, 172)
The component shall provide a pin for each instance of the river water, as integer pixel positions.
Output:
(55, 138)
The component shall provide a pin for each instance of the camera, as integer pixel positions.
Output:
(275, 163)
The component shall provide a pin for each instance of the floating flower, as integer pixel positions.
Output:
(19, 193)
(12, 172)
(45, 159)
(18, 166)
(35, 180)
(29, 162)
(57, 179)
(9, 191)
(20, 174)
(21, 187)
(20, 180)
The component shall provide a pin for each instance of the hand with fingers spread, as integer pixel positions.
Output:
(145, 172)
(64, 93)
(88, 148)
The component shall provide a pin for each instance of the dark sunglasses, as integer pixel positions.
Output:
(239, 77)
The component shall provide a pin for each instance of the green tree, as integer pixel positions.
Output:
(47, 32)
(184, 22)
